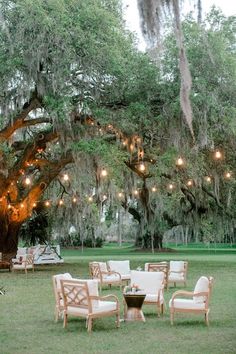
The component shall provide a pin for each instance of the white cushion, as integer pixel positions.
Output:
(187, 304)
(93, 291)
(125, 276)
(111, 278)
(176, 277)
(153, 298)
(59, 277)
(176, 266)
(122, 267)
(104, 306)
(149, 282)
(201, 286)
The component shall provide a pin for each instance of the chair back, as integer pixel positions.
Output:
(203, 285)
(77, 294)
(122, 267)
(56, 280)
(29, 260)
(96, 269)
(149, 282)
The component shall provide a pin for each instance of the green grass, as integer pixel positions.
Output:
(27, 310)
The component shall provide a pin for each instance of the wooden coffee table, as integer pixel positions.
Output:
(133, 307)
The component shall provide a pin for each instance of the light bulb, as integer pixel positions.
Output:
(154, 189)
(189, 183)
(142, 167)
(180, 161)
(104, 172)
(27, 181)
(218, 155)
(66, 177)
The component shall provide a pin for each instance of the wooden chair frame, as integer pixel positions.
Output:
(76, 295)
(96, 273)
(184, 293)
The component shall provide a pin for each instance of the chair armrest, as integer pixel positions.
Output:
(183, 293)
(106, 297)
(201, 294)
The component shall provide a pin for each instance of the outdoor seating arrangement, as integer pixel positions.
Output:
(121, 267)
(152, 284)
(25, 263)
(199, 302)
(81, 299)
(100, 272)
(59, 303)
(177, 272)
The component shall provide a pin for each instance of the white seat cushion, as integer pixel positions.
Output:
(202, 285)
(111, 278)
(187, 304)
(122, 267)
(149, 282)
(104, 306)
(176, 277)
(153, 298)
(125, 276)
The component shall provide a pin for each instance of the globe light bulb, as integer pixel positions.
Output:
(66, 177)
(180, 161)
(104, 172)
(218, 155)
(142, 167)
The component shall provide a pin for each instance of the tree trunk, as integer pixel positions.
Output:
(9, 234)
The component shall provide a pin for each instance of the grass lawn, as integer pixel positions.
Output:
(27, 310)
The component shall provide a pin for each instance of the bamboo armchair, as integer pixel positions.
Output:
(26, 263)
(199, 302)
(100, 272)
(152, 284)
(81, 299)
(59, 303)
(177, 272)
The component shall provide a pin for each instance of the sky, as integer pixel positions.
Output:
(131, 14)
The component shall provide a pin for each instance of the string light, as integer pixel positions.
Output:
(27, 181)
(47, 203)
(228, 175)
(154, 189)
(189, 183)
(218, 155)
(120, 195)
(22, 205)
(171, 186)
(208, 179)
(104, 172)
(180, 162)
(142, 167)
(66, 177)
(90, 199)
(74, 199)
(61, 202)
(34, 205)
(136, 192)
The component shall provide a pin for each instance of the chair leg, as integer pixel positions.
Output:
(207, 318)
(162, 309)
(56, 314)
(90, 324)
(172, 317)
(65, 321)
(117, 320)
